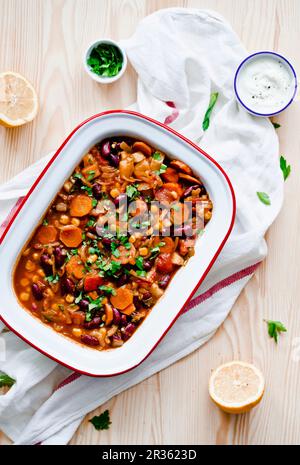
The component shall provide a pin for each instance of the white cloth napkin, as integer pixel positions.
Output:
(181, 56)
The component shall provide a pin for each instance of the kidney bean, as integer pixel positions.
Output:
(106, 241)
(116, 341)
(84, 305)
(123, 279)
(97, 191)
(67, 286)
(60, 256)
(89, 340)
(105, 148)
(123, 320)
(164, 281)
(137, 302)
(128, 331)
(37, 292)
(34, 307)
(147, 265)
(46, 264)
(116, 316)
(189, 190)
(114, 160)
(121, 198)
(94, 323)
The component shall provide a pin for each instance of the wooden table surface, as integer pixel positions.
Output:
(44, 40)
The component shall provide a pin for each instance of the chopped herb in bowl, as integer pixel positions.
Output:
(105, 61)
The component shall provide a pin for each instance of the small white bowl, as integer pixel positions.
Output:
(96, 77)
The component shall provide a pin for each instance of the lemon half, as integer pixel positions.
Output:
(18, 100)
(236, 387)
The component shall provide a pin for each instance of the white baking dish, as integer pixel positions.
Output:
(185, 281)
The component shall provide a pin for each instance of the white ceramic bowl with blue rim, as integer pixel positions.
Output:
(288, 66)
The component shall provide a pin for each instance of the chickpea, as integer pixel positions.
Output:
(132, 239)
(41, 273)
(57, 327)
(68, 186)
(30, 266)
(24, 296)
(69, 298)
(114, 192)
(64, 219)
(48, 292)
(77, 332)
(75, 221)
(24, 282)
(143, 251)
(36, 256)
(207, 215)
(26, 252)
(92, 258)
(61, 207)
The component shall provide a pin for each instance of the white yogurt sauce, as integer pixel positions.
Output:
(265, 84)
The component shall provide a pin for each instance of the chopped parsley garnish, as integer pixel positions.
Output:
(286, 169)
(275, 328)
(88, 190)
(91, 223)
(155, 250)
(141, 273)
(108, 289)
(91, 175)
(94, 203)
(212, 102)
(157, 156)
(105, 60)
(140, 263)
(132, 191)
(6, 380)
(78, 298)
(116, 253)
(102, 421)
(45, 222)
(77, 176)
(109, 268)
(53, 279)
(264, 198)
(162, 169)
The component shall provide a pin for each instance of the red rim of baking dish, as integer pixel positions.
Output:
(139, 115)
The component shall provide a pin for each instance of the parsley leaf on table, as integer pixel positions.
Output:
(264, 198)
(212, 102)
(286, 169)
(6, 380)
(275, 328)
(102, 421)
(276, 125)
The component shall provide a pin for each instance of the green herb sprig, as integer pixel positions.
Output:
(264, 198)
(286, 169)
(212, 102)
(6, 380)
(275, 328)
(102, 421)
(105, 60)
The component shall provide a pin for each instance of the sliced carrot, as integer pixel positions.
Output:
(75, 267)
(170, 175)
(92, 282)
(168, 242)
(187, 177)
(47, 234)
(169, 192)
(78, 318)
(71, 236)
(91, 172)
(142, 147)
(129, 310)
(122, 299)
(81, 205)
(179, 165)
